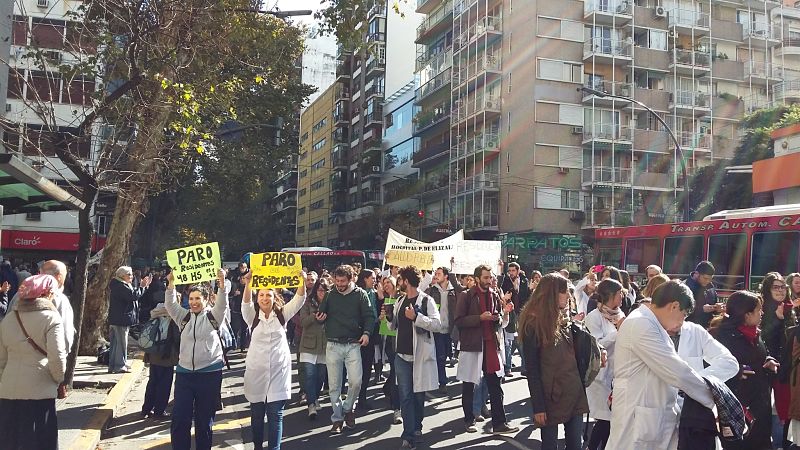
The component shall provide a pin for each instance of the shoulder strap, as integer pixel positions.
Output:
(27, 336)
(185, 320)
(213, 321)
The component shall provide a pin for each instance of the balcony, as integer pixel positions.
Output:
(600, 175)
(491, 25)
(427, 6)
(342, 72)
(761, 33)
(695, 141)
(287, 204)
(376, 65)
(342, 93)
(608, 87)
(476, 145)
(430, 154)
(437, 60)
(691, 62)
(607, 218)
(726, 30)
(654, 98)
(606, 133)
(376, 37)
(378, 9)
(762, 73)
(432, 86)
(606, 50)
(435, 22)
(604, 12)
(427, 119)
(479, 221)
(369, 198)
(690, 102)
(480, 182)
(728, 70)
(650, 59)
(339, 159)
(790, 48)
(787, 91)
(689, 21)
(371, 146)
(435, 186)
(374, 91)
(653, 180)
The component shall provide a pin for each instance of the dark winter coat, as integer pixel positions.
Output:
(754, 391)
(702, 296)
(123, 306)
(468, 319)
(519, 298)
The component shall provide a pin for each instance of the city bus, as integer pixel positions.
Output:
(318, 258)
(744, 245)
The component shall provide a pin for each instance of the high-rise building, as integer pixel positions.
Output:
(539, 162)
(319, 62)
(385, 64)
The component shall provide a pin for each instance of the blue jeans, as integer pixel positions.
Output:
(572, 434)
(196, 395)
(339, 356)
(412, 404)
(118, 353)
(510, 347)
(481, 395)
(274, 413)
(442, 341)
(315, 376)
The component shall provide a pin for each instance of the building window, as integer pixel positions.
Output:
(555, 70)
(304, 137)
(304, 173)
(318, 145)
(556, 28)
(555, 198)
(34, 216)
(302, 193)
(101, 225)
(315, 226)
(301, 230)
(303, 155)
(319, 125)
(317, 205)
(317, 185)
(301, 210)
(317, 165)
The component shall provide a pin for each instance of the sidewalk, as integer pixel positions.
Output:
(92, 402)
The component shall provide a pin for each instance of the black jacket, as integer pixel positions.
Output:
(123, 306)
(519, 298)
(702, 296)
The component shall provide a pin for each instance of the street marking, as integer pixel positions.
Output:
(222, 426)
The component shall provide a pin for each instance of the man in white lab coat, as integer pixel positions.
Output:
(648, 374)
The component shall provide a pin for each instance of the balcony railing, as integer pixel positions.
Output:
(761, 70)
(690, 99)
(760, 30)
(479, 220)
(370, 197)
(437, 61)
(434, 19)
(607, 47)
(376, 37)
(431, 86)
(425, 119)
(609, 87)
(608, 7)
(375, 89)
(476, 183)
(694, 140)
(476, 144)
(688, 18)
(607, 131)
(601, 174)
(791, 42)
(692, 58)
(376, 63)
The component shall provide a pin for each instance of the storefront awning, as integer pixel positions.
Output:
(24, 190)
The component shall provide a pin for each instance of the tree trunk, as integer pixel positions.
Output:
(86, 232)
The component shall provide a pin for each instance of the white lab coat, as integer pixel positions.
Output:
(268, 366)
(647, 375)
(426, 376)
(470, 364)
(597, 393)
(582, 298)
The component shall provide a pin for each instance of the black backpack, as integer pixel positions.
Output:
(588, 353)
(215, 324)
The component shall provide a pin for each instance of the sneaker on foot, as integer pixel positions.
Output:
(312, 411)
(397, 417)
(485, 411)
(337, 427)
(504, 429)
(350, 420)
(407, 445)
(443, 389)
(479, 418)
(471, 428)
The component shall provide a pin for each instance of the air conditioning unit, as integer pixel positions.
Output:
(382, 61)
(673, 34)
(53, 56)
(659, 12)
(43, 3)
(8, 107)
(491, 144)
(563, 170)
(625, 90)
(376, 169)
(490, 104)
(577, 130)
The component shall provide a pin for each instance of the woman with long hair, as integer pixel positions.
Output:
(366, 281)
(198, 379)
(603, 324)
(793, 283)
(738, 331)
(268, 365)
(388, 294)
(544, 328)
(312, 344)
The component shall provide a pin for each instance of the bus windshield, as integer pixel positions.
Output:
(317, 260)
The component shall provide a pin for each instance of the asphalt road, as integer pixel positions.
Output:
(442, 427)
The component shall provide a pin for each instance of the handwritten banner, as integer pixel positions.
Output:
(400, 258)
(442, 250)
(275, 270)
(472, 254)
(195, 264)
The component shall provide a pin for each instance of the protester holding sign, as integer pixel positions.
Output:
(268, 366)
(198, 378)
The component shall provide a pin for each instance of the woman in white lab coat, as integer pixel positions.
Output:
(603, 323)
(268, 366)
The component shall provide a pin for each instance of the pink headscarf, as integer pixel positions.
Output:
(37, 286)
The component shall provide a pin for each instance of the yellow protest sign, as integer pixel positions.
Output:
(276, 270)
(400, 258)
(195, 264)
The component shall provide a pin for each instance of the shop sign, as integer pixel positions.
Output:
(559, 242)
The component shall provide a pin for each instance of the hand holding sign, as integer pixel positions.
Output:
(221, 279)
(276, 270)
(195, 264)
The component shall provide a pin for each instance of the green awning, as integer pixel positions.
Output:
(24, 190)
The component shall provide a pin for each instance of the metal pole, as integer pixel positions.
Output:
(678, 149)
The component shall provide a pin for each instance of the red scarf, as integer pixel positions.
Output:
(750, 332)
(491, 362)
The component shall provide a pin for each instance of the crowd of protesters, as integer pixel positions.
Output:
(677, 367)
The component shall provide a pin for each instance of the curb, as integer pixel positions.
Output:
(90, 435)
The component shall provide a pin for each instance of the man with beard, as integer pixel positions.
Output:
(415, 318)
(480, 317)
(240, 331)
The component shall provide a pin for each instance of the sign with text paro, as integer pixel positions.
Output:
(195, 264)
(276, 270)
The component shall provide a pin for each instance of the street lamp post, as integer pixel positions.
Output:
(277, 13)
(678, 149)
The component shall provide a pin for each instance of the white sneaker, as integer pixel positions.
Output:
(312, 411)
(397, 417)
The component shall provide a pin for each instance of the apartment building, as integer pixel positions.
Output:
(318, 182)
(319, 62)
(364, 77)
(537, 162)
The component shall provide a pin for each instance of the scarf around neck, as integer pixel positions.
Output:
(750, 332)
(611, 315)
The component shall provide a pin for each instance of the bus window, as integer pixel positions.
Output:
(640, 253)
(681, 254)
(609, 256)
(728, 254)
(773, 252)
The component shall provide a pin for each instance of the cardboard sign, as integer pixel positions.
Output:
(471, 254)
(276, 270)
(400, 258)
(442, 250)
(195, 264)
(384, 328)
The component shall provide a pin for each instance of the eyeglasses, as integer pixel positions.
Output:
(776, 287)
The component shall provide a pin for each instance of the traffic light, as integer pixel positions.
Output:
(421, 214)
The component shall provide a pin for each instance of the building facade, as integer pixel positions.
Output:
(319, 62)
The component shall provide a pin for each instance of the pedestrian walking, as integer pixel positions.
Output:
(480, 319)
(388, 295)
(162, 368)
(312, 345)
(349, 320)
(544, 327)
(415, 318)
(33, 358)
(122, 314)
(648, 374)
(268, 366)
(366, 281)
(444, 291)
(198, 380)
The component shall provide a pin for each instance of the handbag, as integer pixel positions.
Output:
(62, 388)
